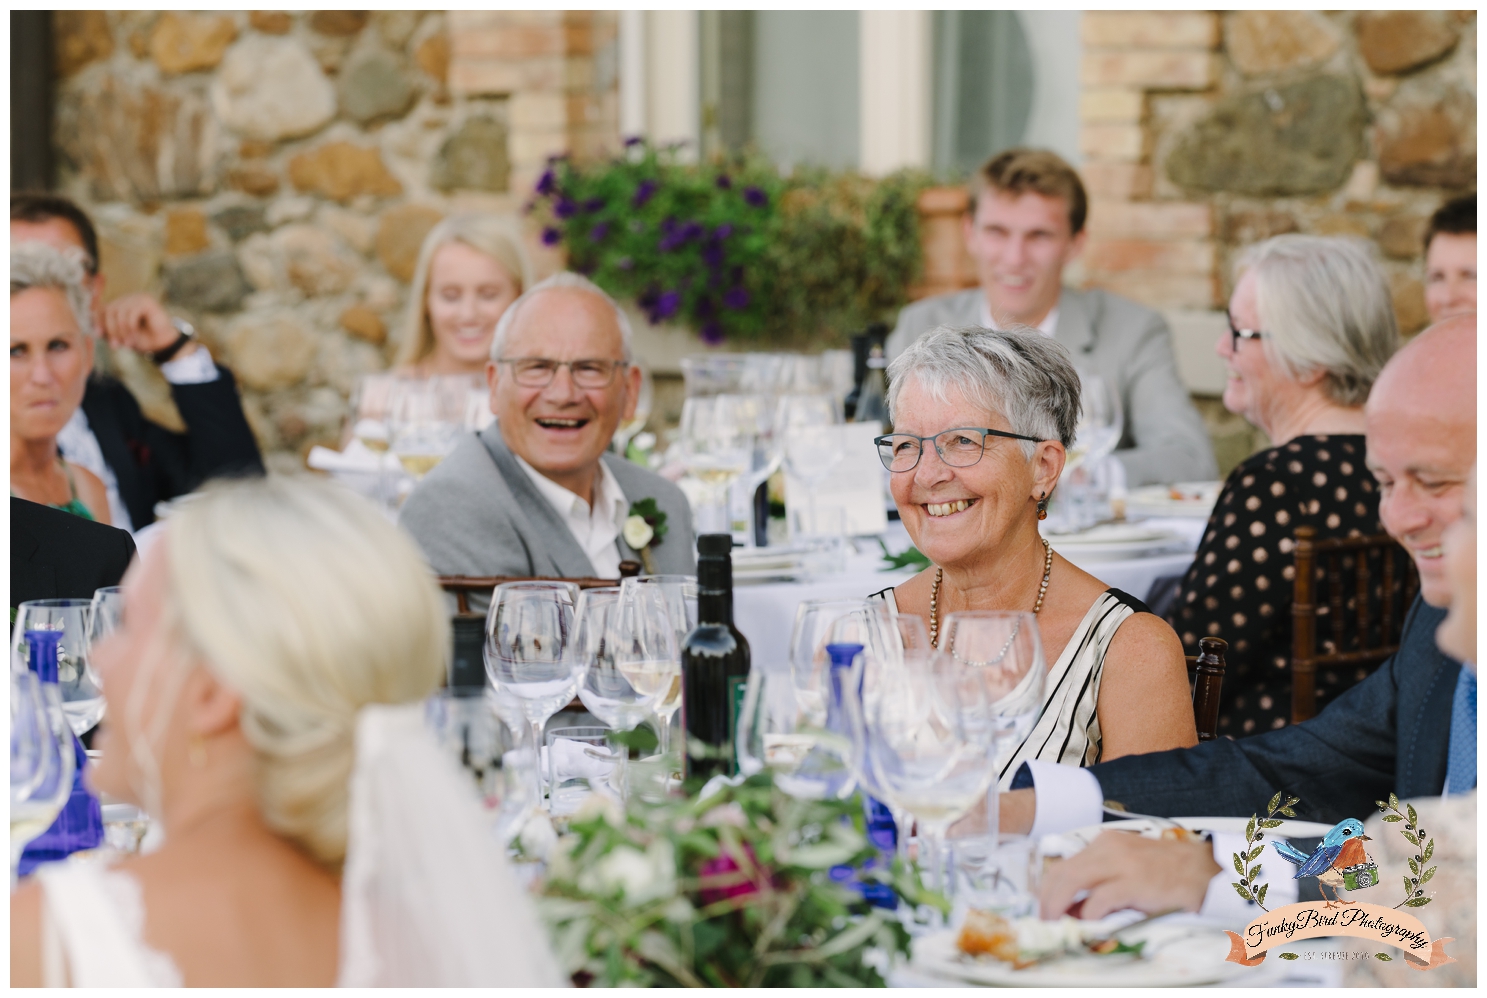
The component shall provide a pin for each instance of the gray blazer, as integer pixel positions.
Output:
(477, 513)
(1164, 439)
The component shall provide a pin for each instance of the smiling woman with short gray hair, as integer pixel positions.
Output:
(982, 421)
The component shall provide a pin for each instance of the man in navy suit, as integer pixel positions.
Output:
(1393, 732)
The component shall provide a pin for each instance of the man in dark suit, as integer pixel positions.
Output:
(141, 462)
(1391, 733)
(58, 555)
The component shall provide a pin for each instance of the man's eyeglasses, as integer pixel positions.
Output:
(538, 372)
(958, 448)
(1236, 334)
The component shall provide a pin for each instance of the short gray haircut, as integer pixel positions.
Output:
(40, 265)
(1019, 373)
(1324, 304)
(565, 279)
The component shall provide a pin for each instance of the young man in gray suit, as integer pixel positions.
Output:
(535, 493)
(1027, 225)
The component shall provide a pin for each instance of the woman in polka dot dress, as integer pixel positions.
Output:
(1311, 324)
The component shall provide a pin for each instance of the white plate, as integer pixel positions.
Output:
(1180, 952)
(1193, 499)
(1071, 842)
(1114, 541)
(784, 573)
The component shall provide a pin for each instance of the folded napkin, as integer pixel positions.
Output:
(357, 457)
(576, 760)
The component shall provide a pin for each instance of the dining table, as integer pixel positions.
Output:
(765, 611)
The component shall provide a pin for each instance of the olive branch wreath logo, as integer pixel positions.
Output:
(1254, 845)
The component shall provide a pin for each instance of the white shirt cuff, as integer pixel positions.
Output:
(1223, 902)
(196, 368)
(1068, 797)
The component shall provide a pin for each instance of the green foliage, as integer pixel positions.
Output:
(909, 557)
(735, 249)
(1414, 886)
(734, 890)
(1254, 830)
(1290, 956)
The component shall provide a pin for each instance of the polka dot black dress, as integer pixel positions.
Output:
(1241, 582)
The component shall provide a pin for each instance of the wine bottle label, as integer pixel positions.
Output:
(737, 688)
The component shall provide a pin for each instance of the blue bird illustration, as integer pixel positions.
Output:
(1341, 849)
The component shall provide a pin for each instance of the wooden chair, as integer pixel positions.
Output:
(1373, 645)
(463, 585)
(1206, 673)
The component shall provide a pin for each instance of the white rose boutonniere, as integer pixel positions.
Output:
(644, 528)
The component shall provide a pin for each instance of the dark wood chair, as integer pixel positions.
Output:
(463, 585)
(1206, 674)
(1373, 644)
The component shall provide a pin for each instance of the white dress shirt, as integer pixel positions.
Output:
(1046, 327)
(78, 445)
(596, 530)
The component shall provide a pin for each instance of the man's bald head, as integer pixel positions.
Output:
(1421, 422)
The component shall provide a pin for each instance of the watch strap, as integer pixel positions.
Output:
(187, 333)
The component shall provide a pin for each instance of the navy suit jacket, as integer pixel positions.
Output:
(1388, 733)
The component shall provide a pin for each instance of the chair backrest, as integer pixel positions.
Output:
(1373, 645)
(463, 585)
(1206, 673)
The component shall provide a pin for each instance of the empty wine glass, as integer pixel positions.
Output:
(811, 443)
(490, 751)
(1100, 421)
(929, 744)
(77, 682)
(717, 446)
(680, 595)
(528, 653)
(42, 762)
(620, 695)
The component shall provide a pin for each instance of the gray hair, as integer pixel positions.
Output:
(1324, 304)
(562, 279)
(1019, 373)
(40, 265)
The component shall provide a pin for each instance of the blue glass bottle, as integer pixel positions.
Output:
(79, 826)
(874, 892)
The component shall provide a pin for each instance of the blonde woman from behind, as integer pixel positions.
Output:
(277, 642)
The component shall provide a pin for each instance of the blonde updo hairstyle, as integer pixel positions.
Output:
(483, 232)
(301, 596)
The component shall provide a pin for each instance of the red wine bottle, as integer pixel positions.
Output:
(715, 665)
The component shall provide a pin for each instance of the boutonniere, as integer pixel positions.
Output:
(645, 527)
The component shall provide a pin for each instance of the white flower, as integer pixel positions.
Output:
(636, 876)
(637, 532)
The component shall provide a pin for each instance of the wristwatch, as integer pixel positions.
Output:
(187, 334)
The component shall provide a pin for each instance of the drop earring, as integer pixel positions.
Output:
(1043, 506)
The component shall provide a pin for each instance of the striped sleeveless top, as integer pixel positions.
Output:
(1068, 728)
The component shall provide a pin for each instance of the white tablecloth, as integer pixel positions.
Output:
(765, 613)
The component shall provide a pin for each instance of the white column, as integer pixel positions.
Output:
(895, 88)
(632, 73)
(672, 82)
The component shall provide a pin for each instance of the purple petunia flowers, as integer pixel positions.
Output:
(551, 236)
(755, 197)
(644, 191)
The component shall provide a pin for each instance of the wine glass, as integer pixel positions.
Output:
(644, 400)
(717, 446)
(1001, 652)
(490, 751)
(678, 595)
(811, 443)
(422, 428)
(712, 373)
(42, 761)
(528, 652)
(929, 744)
(1096, 435)
(77, 682)
(617, 691)
(804, 740)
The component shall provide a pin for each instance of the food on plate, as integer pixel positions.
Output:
(1023, 942)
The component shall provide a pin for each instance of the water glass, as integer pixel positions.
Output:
(490, 751)
(580, 762)
(787, 731)
(77, 682)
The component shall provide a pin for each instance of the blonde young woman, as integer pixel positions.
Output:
(51, 355)
(266, 634)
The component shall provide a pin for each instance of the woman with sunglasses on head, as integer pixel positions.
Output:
(1311, 324)
(982, 421)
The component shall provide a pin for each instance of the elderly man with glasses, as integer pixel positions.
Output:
(535, 493)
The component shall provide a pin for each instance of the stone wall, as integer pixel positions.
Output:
(1205, 132)
(272, 174)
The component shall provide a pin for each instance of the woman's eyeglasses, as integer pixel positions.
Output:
(958, 448)
(538, 372)
(1236, 334)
